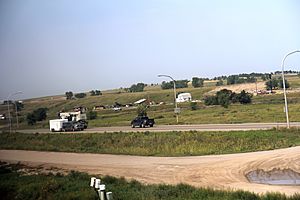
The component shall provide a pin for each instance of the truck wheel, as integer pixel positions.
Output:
(132, 126)
(143, 125)
(52, 130)
(151, 125)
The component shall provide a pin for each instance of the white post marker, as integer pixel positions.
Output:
(109, 196)
(97, 183)
(92, 183)
(101, 191)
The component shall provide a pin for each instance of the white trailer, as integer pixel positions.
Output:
(184, 97)
(57, 124)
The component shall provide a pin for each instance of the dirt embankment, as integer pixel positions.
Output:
(217, 171)
(237, 88)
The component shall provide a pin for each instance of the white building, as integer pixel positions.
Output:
(184, 97)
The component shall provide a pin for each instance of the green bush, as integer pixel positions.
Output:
(91, 115)
(75, 185)
(193, 105)
(80, 95)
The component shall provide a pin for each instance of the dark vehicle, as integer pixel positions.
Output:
(77, 126)
(84, 123)
(142, 122)
(67, 126)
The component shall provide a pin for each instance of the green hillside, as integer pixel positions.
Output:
(264, 108)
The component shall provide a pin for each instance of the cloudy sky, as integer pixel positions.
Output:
(49, 47)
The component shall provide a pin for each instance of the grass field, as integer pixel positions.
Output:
(266, 108)
(155, 144)
(17, 184)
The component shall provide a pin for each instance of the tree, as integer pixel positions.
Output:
(219, 83)
(178, 84)
(30, 119)
(244, 98)
(194, 106)
(271, 84)
(224, 97)
(92, 115)
(95, 92)
(197, 82)
(80, 95)
(92, 93)
(98, 92)
(18, 105)
(280, 83)
(69, 95)
(211, 100)
(142, 110)
(137, 87)
(40, 114)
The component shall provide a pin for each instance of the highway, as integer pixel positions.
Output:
(194, 127)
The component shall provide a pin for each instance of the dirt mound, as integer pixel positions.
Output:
(248, 87)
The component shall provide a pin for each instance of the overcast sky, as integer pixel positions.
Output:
(49, 47)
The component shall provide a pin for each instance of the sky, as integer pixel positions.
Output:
(48, 47)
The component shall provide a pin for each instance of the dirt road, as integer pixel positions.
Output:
(217, 171)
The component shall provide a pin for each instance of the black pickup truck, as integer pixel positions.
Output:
(142, 122)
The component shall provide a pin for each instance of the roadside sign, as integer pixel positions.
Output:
(177, 110)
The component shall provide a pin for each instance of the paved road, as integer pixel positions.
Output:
(215, 171)
(196, 127)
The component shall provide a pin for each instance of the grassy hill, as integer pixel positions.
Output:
(266, 108)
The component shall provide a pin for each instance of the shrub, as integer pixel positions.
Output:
(194, 105)
(30, 119)
(80, 95)
(92, 115)
(69, 95)
(39, 114)
(142, 110)
(197, 82)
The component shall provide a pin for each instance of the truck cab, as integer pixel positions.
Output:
(142, 122)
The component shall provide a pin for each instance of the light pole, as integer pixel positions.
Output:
(9, 117)
(174, 84)
(284, 91)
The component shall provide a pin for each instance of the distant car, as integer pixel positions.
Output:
(84, 123)
(142, 122)
(117, 108)
(77, 126)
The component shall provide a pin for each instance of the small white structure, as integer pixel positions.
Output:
(57, 124)
(140, 101)
(184, 97)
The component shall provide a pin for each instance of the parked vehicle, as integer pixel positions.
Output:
(84, 123)
(117, 108)
(57, 124)
(142, 122)
(2, 117)
(68, 126)
(77, 126)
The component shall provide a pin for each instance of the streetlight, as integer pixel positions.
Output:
(176, 109)
(9, 117)
(284, 92)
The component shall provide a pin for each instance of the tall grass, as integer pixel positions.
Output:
(75, 185)
(153, 143)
